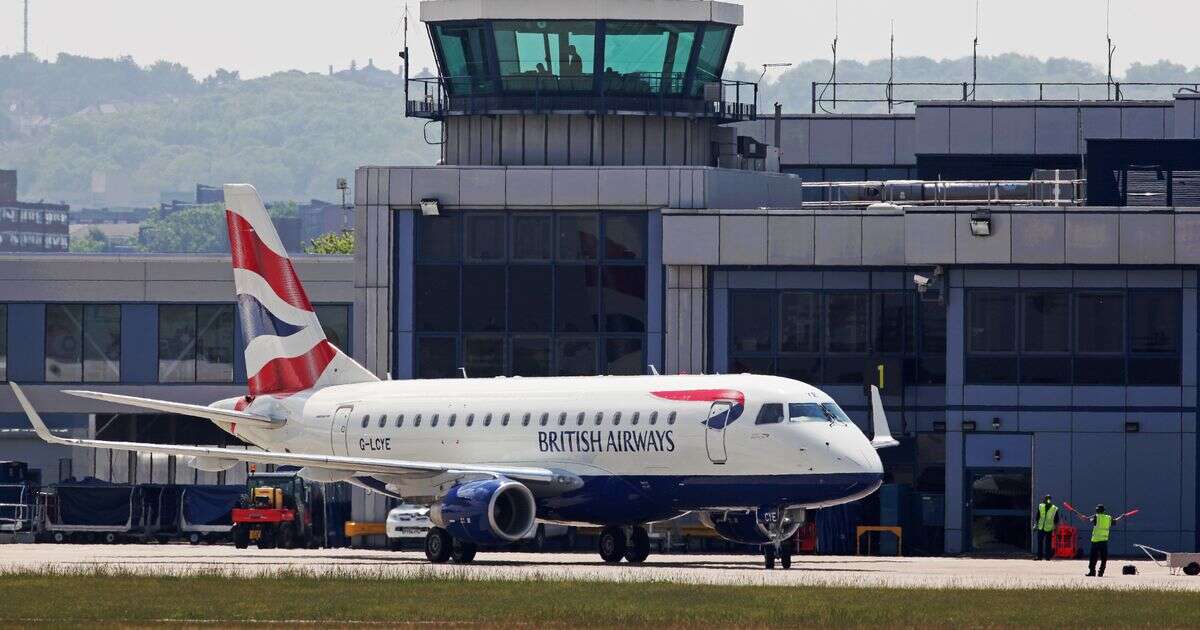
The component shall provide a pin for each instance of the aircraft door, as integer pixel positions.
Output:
(714, 432)
(339, 430)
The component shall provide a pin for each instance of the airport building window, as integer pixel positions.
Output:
(837, 337)
(531, 294)
(83, 343)
(1074, 337)
(195, 343)
(335, 321)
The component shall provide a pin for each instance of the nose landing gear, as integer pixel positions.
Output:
(780, 549)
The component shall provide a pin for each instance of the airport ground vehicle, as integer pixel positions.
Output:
(277, 511)
(408, 525)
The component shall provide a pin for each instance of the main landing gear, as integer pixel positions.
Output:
(440, 547)
(774, 551)
(615, 545)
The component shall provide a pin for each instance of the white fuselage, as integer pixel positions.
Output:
(652, 436)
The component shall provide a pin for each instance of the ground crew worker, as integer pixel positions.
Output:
(1047, 520)
(1101, 524)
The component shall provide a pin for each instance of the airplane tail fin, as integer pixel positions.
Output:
(286, 349)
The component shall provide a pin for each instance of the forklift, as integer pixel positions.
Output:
(277, 511)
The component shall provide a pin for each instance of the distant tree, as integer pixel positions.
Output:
(93, 241)
(331, 243)
(284, 210)
(192, 230)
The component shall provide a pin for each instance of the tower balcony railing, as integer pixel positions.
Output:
(724, 101)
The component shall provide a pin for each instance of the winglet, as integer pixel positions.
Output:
(883, 433)
(38, 425)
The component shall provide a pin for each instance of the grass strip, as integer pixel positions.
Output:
(104, 596)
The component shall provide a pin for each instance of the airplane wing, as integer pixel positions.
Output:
(556, 480)
(200, 411)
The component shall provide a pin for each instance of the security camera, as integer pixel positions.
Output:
(922, 282)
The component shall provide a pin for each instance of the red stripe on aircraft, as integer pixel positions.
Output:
(293, 374)
(251, 254)
(702, 395)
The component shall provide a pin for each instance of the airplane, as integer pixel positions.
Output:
(492, 457)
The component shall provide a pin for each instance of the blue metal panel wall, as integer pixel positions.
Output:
(655, 290)
(27, 343)
(1016, 451)
(239, 351)
(139, 343)
(404, 242)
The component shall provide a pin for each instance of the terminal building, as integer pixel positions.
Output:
(1019, 277)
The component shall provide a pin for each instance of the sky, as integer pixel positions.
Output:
(259, 37)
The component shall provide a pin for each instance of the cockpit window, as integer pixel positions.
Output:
(770, 413)
(835, 412)
(807, 412)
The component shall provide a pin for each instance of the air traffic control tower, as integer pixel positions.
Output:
(580, 82)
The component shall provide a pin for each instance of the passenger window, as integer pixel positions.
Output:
(504, 420)
(399, 421)
(433, 420)
(545, 419)
(599, 417)
(366, 420)
(453, 418)
(634, 420)
(382, 420)
(487, 420)
(770, 413)
(580, 418)
(617, 418)
(470, 419)
(807, 412)
(671, 418)
(653, 418)
(525, 420)
(562, 419)
(417, 421)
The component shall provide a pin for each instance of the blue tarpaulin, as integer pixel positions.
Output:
(835, 528)
(210, 505)
(94, 502)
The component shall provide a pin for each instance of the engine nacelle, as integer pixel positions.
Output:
(211, 464)
(753, 527)
(486, 512)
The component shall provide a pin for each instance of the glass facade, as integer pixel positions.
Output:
(195, 343)
(530, 293)
(837, 337)
(83, 343)
(528, 56)
(1082, 337)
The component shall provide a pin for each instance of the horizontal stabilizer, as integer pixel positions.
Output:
(199, 411)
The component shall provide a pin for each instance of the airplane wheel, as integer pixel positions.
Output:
(639, 548)
(785, 560)
(59, 537)
(769, 557)
(110, 538)
(437, 545)
(612, 544)
(462, 552)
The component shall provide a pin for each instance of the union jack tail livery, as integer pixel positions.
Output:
(286, 349)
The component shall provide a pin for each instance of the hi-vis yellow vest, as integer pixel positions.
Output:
(1100, 531)
(1046, 517)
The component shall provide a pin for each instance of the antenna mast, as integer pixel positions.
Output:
(975, 54)
(891, 65)
(26, 27)
(1110, 49)
(836, 30)
(404, 55)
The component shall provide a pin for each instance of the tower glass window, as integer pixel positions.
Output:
(647, 57)
(546, 54)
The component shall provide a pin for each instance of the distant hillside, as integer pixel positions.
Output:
(77, 124)
(109, 132)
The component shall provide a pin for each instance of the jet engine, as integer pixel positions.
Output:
(486, 512)
(211, 464)
(753, 527)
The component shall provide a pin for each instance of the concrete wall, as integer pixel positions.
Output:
(839, 139)
(1035, 127)
(577, 140)
(889, 236)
